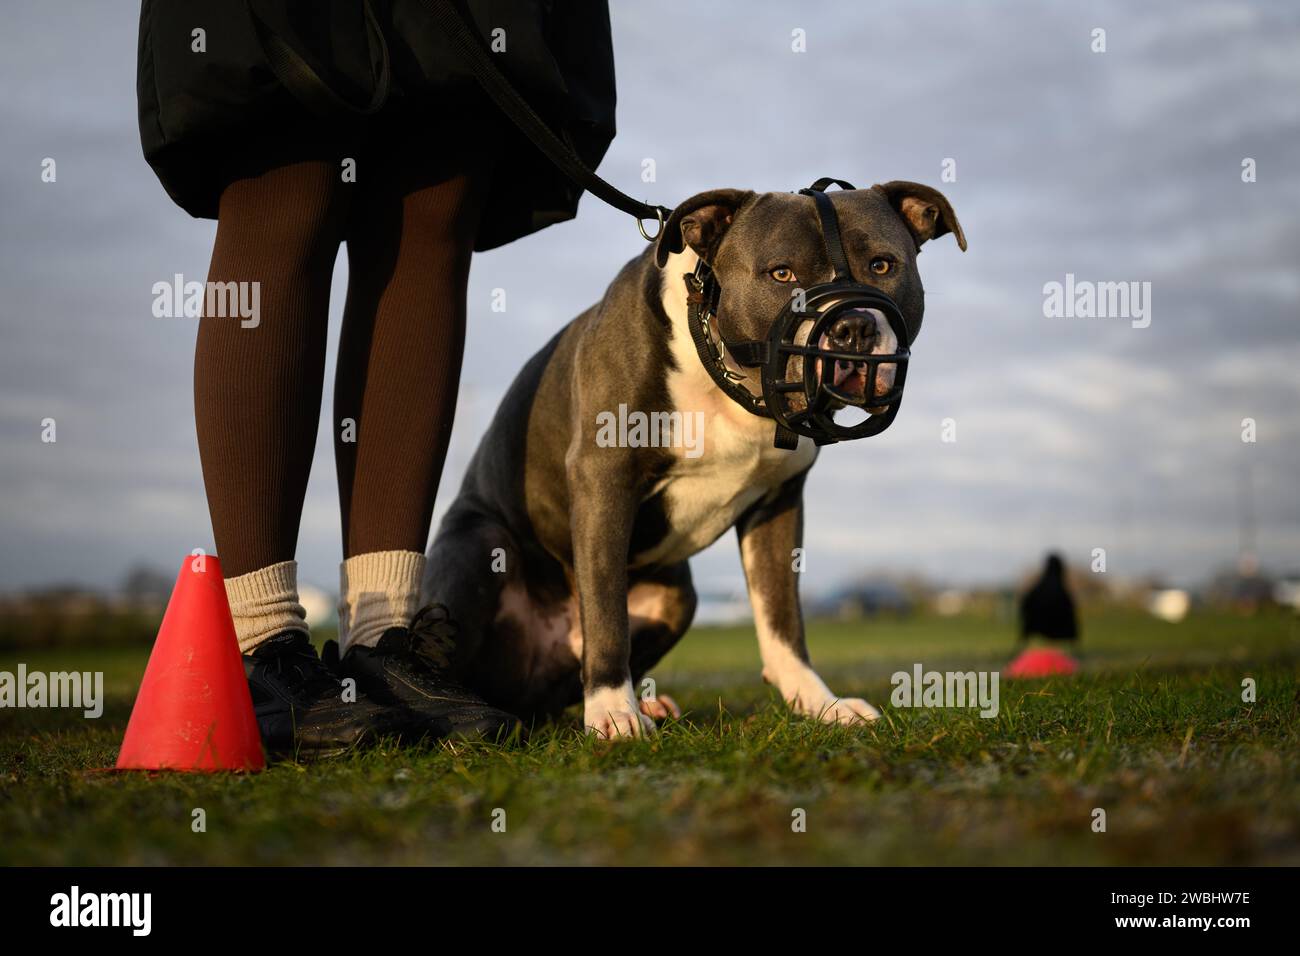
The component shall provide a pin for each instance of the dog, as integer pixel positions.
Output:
(564, 559)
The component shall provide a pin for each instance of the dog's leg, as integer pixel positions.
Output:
(661, 606)
(769, 534)
(602, 489)
(471, 560)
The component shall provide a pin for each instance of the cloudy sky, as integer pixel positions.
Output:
(1071, 433)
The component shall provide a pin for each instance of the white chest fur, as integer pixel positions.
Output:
(737, 465)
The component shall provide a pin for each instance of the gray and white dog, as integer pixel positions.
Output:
(564, 558)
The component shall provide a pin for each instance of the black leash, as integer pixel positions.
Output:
(479, 60)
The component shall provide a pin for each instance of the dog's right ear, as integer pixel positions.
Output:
(700, 222)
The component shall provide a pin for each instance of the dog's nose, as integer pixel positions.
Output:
(854, 332)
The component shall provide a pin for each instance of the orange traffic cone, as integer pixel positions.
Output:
(194, 711)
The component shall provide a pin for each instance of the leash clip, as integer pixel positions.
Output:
(640, 225)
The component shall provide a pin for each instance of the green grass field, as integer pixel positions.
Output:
(1154, 731)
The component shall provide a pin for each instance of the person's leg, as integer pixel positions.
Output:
(409, 244)
(257, 389)
(257, 392)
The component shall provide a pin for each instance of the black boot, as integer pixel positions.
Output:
(299, 703)
(410, 667)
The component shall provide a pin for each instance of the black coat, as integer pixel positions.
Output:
(1047, 608)
(234, 109)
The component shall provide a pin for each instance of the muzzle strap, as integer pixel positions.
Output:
(701, 309)
(750, 353)
(831, 230)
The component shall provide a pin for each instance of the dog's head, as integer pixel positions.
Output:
(762, 247)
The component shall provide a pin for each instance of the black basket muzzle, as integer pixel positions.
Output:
(799, 390)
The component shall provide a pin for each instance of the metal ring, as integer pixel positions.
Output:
(640, 225)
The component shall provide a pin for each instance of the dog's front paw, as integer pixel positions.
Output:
(848, 710)
(618, 723)
(808, 696)
(612, 712)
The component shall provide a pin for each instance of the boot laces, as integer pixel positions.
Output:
(433, 637)
(306, 672)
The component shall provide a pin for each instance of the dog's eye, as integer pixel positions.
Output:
(782, 274)
(881, 266)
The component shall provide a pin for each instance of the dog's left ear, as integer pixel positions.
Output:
(925, 211)
(700, 222)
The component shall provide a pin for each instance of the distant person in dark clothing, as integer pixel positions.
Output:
(1047, 610)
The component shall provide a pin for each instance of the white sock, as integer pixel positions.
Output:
(377, 591)
(265, 603)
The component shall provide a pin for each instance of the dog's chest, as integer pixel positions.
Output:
(735, 466)
(703, 498)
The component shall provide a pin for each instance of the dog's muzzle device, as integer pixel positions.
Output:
(796, 359)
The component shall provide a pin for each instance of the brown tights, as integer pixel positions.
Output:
(257, 390)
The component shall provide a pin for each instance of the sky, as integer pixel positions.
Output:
(1071, 433)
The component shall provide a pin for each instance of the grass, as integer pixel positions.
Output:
(1153, 731)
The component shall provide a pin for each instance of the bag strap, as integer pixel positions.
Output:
(469, 47)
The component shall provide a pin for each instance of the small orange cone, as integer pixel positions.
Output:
(194, 711)
(1042, 662)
